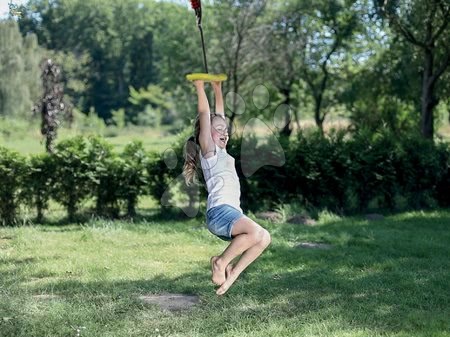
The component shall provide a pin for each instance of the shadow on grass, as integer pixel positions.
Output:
(386, 276)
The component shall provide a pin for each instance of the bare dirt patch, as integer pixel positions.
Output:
(301, 219)
(171, 302)
(270, 216)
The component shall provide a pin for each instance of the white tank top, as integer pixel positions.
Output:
(221, 179)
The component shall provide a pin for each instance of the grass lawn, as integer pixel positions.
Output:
(27, 139)
(32, 141)
(381, 278)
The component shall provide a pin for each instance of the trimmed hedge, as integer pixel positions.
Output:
(340, 172)
(13, 168)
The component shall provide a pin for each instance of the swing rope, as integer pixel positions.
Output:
(197, 7)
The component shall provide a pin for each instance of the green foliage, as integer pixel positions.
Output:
(343, 173)
(422, 170)
(159, 175)
(20, 84)
(371, 165)
(38, 182)
(317, 168)
(75, 72)
(118, 118)
(133, 180)
(12, 170)
(74, 172)
(339, 172)
(317, 57)
(150, 106)
(89, 123)
(105, 172)
(116, 44)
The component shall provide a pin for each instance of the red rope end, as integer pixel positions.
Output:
(195, 4)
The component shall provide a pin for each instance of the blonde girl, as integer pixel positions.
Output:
(224, 216)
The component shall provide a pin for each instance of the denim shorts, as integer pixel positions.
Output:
(220, 220)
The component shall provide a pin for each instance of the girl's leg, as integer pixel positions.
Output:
(250, 240)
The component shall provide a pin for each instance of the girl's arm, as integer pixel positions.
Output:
(217, 86)
(206, 143)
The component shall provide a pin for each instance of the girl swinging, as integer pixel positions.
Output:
(224, 216)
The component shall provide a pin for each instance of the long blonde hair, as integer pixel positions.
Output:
(191, 153)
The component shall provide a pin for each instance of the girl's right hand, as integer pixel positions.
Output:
(216, 84)
(199, 84)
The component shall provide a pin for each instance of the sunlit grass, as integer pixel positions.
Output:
(30, 140)
(381, 278)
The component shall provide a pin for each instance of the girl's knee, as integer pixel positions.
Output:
(266, 238)
(256, 235)
(262, 237)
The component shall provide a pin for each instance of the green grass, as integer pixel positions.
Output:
(26, 138)
(31, 141)
(382, 278)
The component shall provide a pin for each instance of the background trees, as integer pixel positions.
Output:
(425, 25)
(20, 83)
(378, 64)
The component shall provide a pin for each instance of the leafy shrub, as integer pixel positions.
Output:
(132, 176)
(317, 170)
(12, 171)
(421, 167)
(38, 182)
(371, 165)
(336, 172)
(74, 173)
(106, 168)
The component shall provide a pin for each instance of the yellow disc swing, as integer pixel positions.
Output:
(207, 77)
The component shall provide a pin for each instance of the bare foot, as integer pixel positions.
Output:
(218, 274)
(231, 277)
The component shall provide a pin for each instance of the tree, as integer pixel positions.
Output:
(20, 83)
(424, 24)
(111, 33)
(282, 44)
(330, 28)
(232, 47)
(52, 104)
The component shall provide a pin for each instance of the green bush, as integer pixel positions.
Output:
(75, 177)
(443, 188)
(106, 169)
(316, 170)
(38, 182)
(421, 167)
(343, 172)
(12, 171)
(339, 172)
(371, 167)
(132, 176)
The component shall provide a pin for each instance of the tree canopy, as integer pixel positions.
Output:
(366, 60)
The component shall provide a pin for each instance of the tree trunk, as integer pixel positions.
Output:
(318, 118)
(287, 129)
(429, 101)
